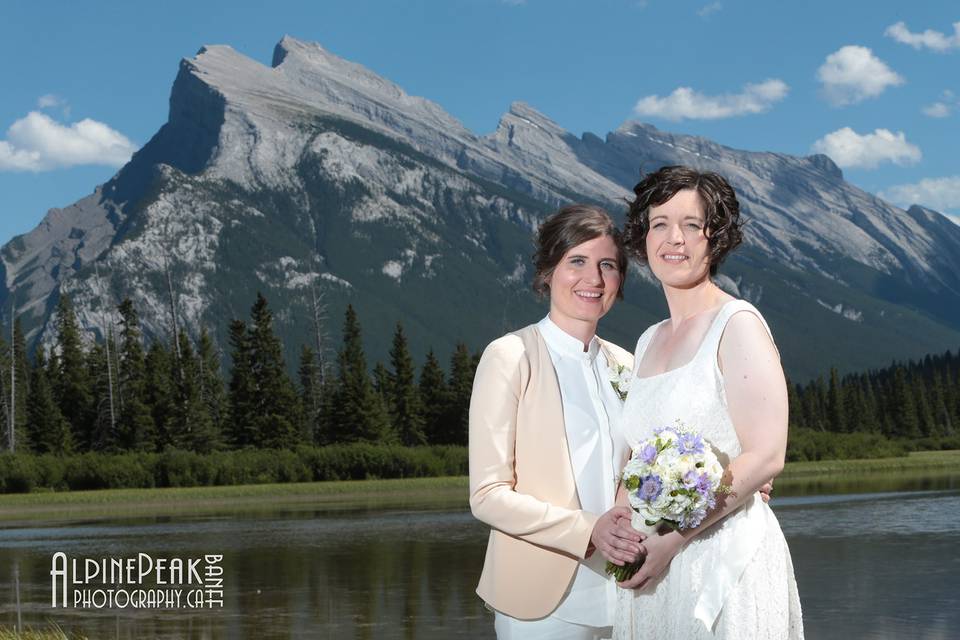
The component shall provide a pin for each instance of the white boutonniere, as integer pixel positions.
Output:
(620, 379)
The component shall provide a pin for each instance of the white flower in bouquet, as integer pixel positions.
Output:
(672, 479)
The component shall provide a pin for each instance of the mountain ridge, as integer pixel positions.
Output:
(318, 172)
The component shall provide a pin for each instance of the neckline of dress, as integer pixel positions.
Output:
(696, 353)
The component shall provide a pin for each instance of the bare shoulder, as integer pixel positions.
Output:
(746, 335)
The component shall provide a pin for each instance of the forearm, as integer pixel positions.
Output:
(528, 518)
(743, 476)
(535, 512)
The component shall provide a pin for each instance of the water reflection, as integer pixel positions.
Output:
(871, 566)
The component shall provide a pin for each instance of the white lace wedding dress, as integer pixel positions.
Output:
(734, 580)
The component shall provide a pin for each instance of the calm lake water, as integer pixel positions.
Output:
(870, 565)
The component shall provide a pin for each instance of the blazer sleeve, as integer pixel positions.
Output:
(493, 428)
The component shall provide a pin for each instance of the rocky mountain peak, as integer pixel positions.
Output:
(314, 169)
(824, 164)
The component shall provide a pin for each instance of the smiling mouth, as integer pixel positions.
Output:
(590, 295)
(673, 257)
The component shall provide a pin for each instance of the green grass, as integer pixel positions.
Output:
(132, 502)
(412, 492)
(917, 460)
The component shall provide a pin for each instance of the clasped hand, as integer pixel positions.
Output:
(616, 540)
(659, 550)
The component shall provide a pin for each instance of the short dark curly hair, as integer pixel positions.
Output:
(720, 207)
(571, 226)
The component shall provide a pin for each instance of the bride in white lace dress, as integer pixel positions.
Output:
(713, 365)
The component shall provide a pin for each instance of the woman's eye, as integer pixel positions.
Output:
(577, 261)
(694, 226)
(658, 225)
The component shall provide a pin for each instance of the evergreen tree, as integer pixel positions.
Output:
(21, 375)
(72, 384)
(136, 425)
(924, 411)
(906, 421)
(276, 406)
(382, 382)
(103, 434)
(869, 421)
(159, 397)
(938, 405)
(310, 394)
(951, 399)
(836, 412)
(435, 397)
(815, 401)
(853, 404)
(462, 370)
(49, 431)
(212, 393)
(403, 396)
(358, 411)
(242, 388)
(8, 439)
(794, 407)
(191, 427)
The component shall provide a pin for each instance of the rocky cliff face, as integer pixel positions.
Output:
(315, 172)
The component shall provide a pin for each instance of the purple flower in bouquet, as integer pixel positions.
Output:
(703, 485)
(648, 454)
(689, 443)
(650, 488)
(691, 480)
(694, 518)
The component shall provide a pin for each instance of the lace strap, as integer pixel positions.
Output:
(643, 342)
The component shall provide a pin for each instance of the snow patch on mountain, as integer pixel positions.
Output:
(848, 313)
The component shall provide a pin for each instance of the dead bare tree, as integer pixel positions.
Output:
(12, 421)
(173, 316)
(319, 327)
(107, 335)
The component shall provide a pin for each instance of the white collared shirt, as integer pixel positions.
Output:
(591, 411)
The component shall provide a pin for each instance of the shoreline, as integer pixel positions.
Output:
(441, 492)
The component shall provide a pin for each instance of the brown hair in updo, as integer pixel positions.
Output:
(571, 226)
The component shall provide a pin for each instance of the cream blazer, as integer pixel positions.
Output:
(521, 480)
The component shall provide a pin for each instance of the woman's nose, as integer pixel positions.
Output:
(676, 235)
(595, 276)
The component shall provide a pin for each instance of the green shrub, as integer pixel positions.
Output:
(178, 468)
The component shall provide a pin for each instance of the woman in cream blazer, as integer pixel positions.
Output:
(522, 481)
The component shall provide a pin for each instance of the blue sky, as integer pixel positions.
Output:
(874, 84)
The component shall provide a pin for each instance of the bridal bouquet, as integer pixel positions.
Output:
(672, 479)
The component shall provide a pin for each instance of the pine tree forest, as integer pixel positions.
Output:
(119, 395)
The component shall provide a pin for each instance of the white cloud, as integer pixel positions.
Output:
(942, 107)
(852, 74)
(684, 102)
(48, 101)
(929, 39)
(848, 148)
(37, 142)
(936, 193)
(937, 110)
(709, 9)
(52, 101)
